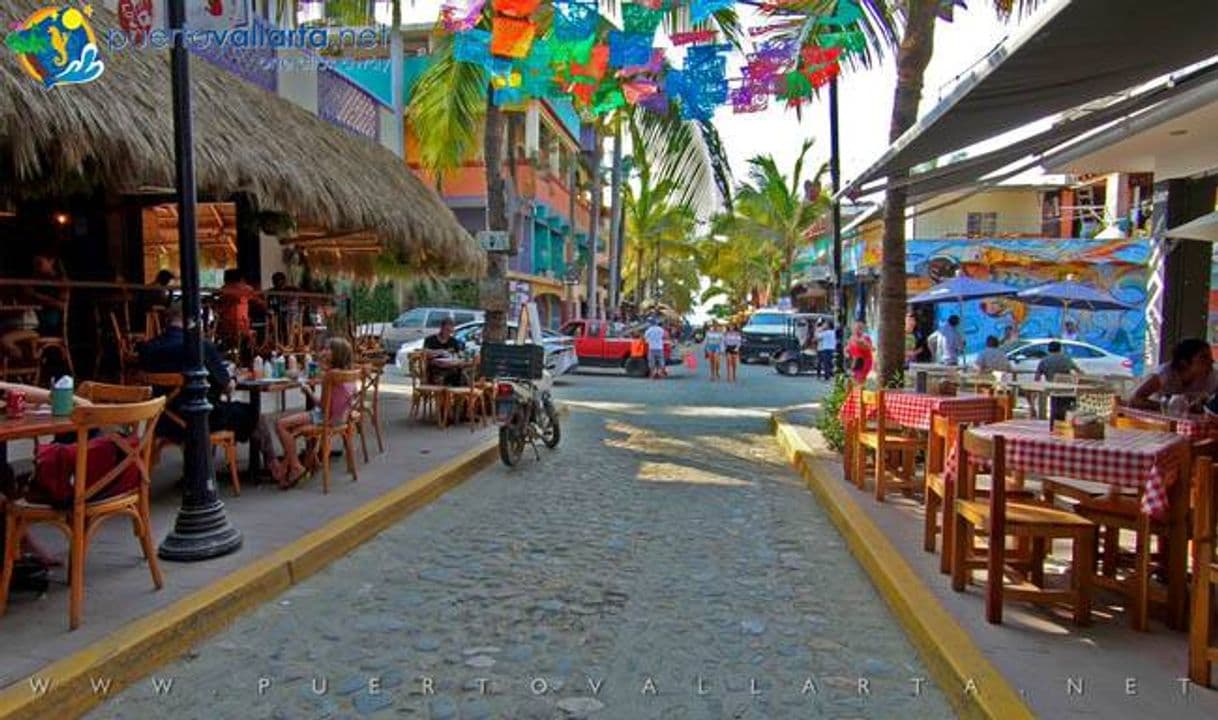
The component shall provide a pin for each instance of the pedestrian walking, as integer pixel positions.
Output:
(654, 336)
(826, 349)
(732, 341)
(953, 341)
(714, 348)
(861, 353)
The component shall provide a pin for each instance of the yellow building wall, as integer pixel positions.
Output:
(1018, 210)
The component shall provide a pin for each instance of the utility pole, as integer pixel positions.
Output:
(835, 174)
(615, 221)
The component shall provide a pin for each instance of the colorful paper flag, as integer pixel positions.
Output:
(511, 37)
(692, 37)
(627, 49)
(458, 16)
(640, 20)
(575, 20)
(472, 46)
(701, 10)
(515, 8)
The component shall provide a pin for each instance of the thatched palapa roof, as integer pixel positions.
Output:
(118, 131)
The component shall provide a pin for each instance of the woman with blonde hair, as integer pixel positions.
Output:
(732, 340)
(290, 470)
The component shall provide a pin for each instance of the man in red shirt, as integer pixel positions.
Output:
(234, 309)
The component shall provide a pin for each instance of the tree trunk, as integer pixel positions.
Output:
(917, 46)
(594, 162)
(493, 292)
(615, 223)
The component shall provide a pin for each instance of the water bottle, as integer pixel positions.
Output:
(258, 367)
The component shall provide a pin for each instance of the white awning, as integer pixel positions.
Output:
(1068, 54)
(1203, 228)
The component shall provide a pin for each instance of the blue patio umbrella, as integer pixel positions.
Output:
(1068, 294)
(961, 288)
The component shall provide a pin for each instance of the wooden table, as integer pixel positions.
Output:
(37, 422)
(255, 388)
(1194, 426)
(1151, 462)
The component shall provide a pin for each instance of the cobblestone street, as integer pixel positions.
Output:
(663, 562)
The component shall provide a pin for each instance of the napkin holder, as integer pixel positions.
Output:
(922, 382)
(946, 388)
(1060, 407)
(1088, 428)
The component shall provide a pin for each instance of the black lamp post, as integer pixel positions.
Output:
(835, 173)
(202, 530)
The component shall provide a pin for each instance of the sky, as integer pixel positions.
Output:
(865, 98)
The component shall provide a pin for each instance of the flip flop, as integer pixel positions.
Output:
(293, 480)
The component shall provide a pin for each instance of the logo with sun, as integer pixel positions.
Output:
(56, 46)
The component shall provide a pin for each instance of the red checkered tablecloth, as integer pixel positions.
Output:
(914, 410)
(1193, 426)
(1138, 459)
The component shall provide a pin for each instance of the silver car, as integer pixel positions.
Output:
(560, 349)
(417, 323)
(1025, 355)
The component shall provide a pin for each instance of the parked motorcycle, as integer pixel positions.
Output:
(523, 406)
(526, 414)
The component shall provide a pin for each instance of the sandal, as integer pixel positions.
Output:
(291, 480)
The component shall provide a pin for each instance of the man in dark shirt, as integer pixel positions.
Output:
(438, 346)
(166, 353)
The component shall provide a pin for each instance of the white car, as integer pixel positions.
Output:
(560, 349)
(1025, 354)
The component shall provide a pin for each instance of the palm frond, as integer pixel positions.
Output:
(447, 109)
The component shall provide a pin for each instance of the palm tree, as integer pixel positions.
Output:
(771, 207)
(452, 104)
(909, 27)
(740, 265)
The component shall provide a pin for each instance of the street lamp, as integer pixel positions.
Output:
(201, 530)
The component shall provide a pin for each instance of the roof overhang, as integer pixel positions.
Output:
(1071, 52)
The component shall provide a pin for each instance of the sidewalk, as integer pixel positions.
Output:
(119, 590)
(1106, 670)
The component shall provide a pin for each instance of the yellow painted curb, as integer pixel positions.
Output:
(140, 647)
(974, 687)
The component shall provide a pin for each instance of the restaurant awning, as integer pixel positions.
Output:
(117, 132)
(1071, 52)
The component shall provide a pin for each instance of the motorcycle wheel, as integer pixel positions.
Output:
(511, 445)
(551, 433)
(788, 367)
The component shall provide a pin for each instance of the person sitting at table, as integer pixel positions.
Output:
(290, 470)
(442, 344)
(991, 358)
(166, 353)
(1190, 373)
(50, 296)
(1056, 363)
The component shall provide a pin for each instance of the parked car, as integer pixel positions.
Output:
(1025, 354)
(417, 323)
(602, 343)
(560, 349)
(764, 335)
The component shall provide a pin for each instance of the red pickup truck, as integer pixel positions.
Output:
(601, 343)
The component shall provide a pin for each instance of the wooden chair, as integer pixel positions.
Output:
(881, 442)
(125, 342)
(468, 399)
(58, 344)
(321, 435)
(1113, 510)
(1202, 643)
(105, 393)
(171, 384)
(998, 519)
(370, 392)
(89, 508)
(424, 395)
(938, 492)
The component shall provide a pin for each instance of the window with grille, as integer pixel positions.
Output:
(982, 224)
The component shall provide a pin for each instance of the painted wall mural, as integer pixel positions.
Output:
(1117, 266)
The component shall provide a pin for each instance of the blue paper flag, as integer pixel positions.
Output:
(473, 46)
(701, 10)
(628, 49)
(575, 19)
